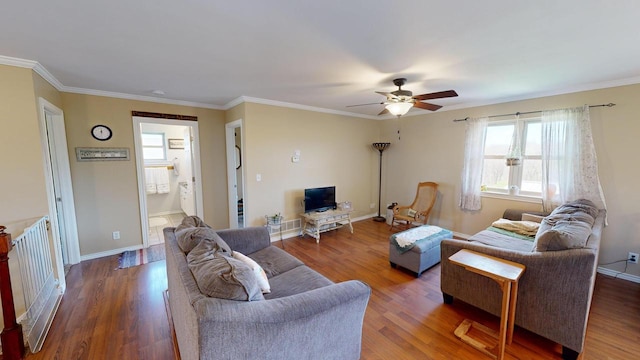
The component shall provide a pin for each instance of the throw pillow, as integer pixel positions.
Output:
(190, 232)
(193, 221)
(411, 213)
(210, 244)
(190, 237)
(563, 235)
(258, 271)
(224, 277)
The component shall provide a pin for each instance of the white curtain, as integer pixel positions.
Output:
(569, 164)
(473, 159)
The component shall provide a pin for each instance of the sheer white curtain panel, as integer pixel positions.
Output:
(569, 163)
(472, 168)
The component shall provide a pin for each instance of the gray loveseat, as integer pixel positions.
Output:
(306, 316)
(554, 293)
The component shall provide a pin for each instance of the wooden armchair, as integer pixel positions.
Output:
(421, 207)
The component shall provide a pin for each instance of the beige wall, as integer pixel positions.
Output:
(23, 194)
(431, 149)
(335, 150)
(106, 193)
(23, 183)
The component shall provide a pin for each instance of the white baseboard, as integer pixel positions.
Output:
(109, 252)
(618, 274)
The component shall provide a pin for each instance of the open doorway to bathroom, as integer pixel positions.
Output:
(169, 187)
(235, 174)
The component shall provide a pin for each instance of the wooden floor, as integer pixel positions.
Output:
(120, 314)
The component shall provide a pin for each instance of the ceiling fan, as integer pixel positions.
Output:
(399, 102)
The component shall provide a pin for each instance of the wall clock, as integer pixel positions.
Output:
(101, 132)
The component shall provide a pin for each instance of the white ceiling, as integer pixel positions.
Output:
(328, 54)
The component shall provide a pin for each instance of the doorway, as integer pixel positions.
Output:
(64, 230)
(168, 166)
(235, 174)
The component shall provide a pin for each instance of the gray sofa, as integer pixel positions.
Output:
(555, 291)
(306, 316)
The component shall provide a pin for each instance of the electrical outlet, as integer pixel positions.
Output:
(632, 258)
(372, 205)
(116, 235)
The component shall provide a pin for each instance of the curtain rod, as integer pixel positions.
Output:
(532, 112)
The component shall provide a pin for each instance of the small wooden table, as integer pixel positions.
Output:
(316, 223)
(506, 274)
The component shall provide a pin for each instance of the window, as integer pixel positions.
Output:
(497, 177)
(153, 147)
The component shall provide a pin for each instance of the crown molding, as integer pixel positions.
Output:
(118, 95)
(248, 99)
(11, 61)
(45, 74)
(531, 96)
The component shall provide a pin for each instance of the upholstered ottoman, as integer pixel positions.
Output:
(417, 249)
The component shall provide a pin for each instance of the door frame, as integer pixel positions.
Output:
(142, 194)
(231, 172)
(57, 138)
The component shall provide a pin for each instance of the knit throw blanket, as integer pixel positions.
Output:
(406, 240)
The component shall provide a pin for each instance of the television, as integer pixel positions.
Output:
(319, 199)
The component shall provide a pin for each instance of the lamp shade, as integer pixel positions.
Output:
(399, 108)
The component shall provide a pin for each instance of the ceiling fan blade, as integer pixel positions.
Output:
(426, 106)
(375, 103)
(436, 95)
(385, 111)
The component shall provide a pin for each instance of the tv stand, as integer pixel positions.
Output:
(316, 223)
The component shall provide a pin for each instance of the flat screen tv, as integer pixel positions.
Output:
(320, 199)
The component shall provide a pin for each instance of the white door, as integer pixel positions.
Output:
(188, 196)
(59, 188)
(57, 191)
(235, 177)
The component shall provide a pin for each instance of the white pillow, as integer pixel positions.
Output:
(259, 273)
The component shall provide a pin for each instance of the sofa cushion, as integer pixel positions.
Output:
(258, 271)
(221, 276)
(502, 241)
(275, 261)
(296, 281)
(565, 234)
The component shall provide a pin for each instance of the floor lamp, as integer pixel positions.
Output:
(380, 147)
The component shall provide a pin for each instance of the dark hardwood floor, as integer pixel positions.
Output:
(120, 314)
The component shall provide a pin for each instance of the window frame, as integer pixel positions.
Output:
(163, 147)
(515, 172)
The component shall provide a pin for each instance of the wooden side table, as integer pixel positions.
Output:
(506, 274)
(318, 222)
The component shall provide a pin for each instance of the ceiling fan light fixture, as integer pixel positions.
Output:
(399, 108)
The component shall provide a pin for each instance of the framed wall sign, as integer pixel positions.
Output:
(102, 154)
(176, 143)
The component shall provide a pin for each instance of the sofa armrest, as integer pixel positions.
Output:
(554, 292)
(326, 321)
(246, 240)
